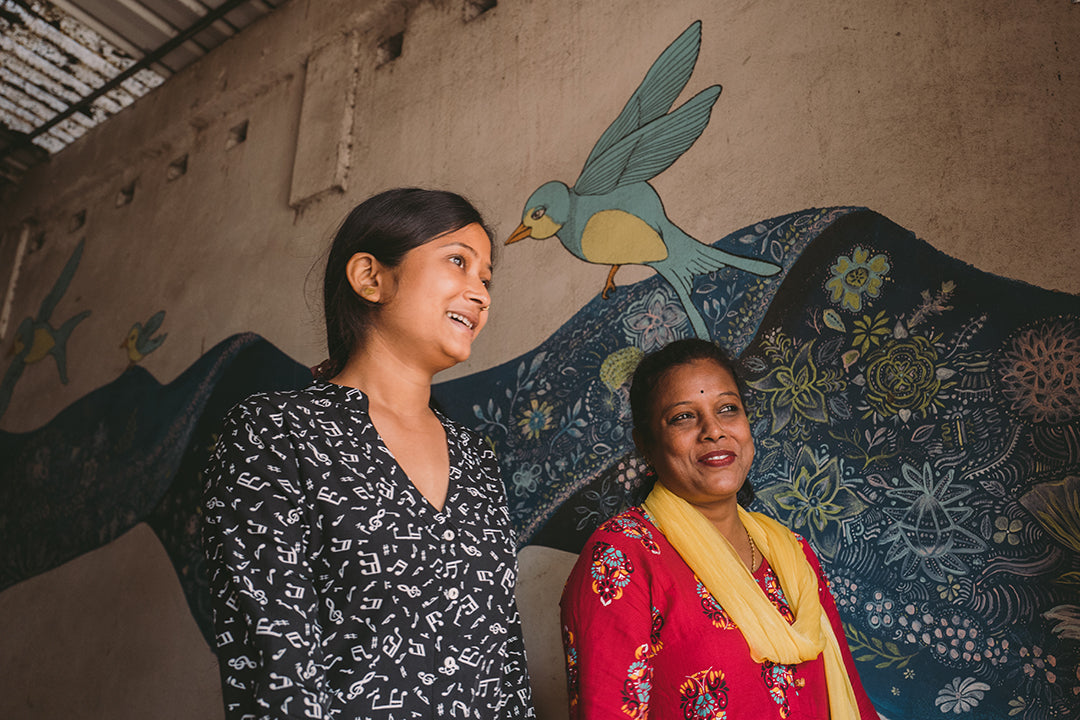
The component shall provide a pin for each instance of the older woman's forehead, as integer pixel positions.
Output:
(695, 378)
(697, 370)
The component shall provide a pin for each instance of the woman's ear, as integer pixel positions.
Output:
(365, 275)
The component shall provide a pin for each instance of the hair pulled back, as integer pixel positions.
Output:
(652, 369)
(387, 226)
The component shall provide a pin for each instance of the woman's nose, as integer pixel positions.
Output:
(478, 293)
(711, 429)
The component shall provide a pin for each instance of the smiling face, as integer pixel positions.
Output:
(700, 445)
(437, 299)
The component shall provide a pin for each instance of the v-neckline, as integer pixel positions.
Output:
(357, 396)
(408, 481)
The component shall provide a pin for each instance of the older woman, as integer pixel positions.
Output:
(689, 606)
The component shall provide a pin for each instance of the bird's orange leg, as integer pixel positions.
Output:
(610, 284)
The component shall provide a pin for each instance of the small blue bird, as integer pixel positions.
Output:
(139, 342)
(36, 338)
(612, 215)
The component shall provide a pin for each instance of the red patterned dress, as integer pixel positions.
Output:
(644, 638)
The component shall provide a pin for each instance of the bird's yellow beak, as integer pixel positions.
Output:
(522, 232)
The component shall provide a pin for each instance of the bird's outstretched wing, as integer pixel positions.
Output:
(651, 149)
(655, 95)
(153, 323)
(60, 287)
(7, 385)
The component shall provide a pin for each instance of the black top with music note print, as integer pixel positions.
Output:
(338, 590)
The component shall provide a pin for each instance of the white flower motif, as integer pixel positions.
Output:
(653, 321)
(526, 479)
(961, 696)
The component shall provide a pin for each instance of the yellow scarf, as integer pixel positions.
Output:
(769, 635)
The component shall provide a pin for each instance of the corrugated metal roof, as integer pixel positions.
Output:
(68, 65)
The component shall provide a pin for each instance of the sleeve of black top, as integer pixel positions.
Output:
(256, 534)
(516, 687)
(515, 672)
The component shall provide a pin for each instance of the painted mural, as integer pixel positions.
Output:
(36, 338)
(141, 339)
(922, 431)
(917, 420)
(131, 451)
(612, 216)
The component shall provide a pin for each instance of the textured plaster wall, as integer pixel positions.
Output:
(957, 120)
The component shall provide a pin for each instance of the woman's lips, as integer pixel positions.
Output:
(717, 458)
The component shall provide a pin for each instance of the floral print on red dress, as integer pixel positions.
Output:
(779, 679)
(771, 585)
(611, 571)
(712, 609)
(573, 684)
(638, 684)
(639, 676)
(632, 527)
(704, 696)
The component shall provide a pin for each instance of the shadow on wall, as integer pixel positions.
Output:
(917, 420)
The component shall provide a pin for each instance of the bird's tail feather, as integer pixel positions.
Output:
(681, 283)
(705, 258)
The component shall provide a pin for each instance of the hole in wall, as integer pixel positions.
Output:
(237, 135)
(389, 49)
(77, 221)
(176, 168)
(37, 241)
(126, 195)
(476, 8)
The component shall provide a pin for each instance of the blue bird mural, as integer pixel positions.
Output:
(141, 341)
(36, 338)
(612, 215)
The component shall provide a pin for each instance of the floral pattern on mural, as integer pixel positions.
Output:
(857, 279)
(916, 420)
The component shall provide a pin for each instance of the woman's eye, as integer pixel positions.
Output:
(457, 260)
(680, 417)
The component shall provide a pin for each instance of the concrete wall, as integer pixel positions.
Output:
(957, 121)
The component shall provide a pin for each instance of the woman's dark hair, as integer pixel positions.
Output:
(652, 369)
(387, 226)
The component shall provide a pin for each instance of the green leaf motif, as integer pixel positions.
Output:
(871, 648)
(833, 320)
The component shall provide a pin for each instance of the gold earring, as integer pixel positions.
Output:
(368, 291)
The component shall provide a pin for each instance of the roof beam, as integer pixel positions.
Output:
(147, 60)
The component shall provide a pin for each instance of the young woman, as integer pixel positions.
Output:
(690, 606)
(359, 547)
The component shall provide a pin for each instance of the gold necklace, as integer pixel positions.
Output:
(753, 549)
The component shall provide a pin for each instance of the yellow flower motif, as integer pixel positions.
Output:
(854, 277)
(904, 378)
(793, 391)
(950, 590)
(1007, 531)
(870, 331)
(535, 419)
